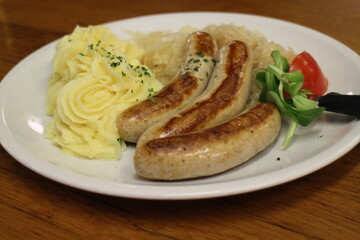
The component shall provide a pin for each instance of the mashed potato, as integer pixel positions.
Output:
(95, 77)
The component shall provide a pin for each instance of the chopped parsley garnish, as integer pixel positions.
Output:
(114, 64)
(146, 71)
(151, 91)
(152, 100)
(120, 58)
(106, 51)
(200, 54)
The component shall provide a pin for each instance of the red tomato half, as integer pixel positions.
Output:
(314, 79)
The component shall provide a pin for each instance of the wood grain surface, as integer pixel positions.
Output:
(322, 205)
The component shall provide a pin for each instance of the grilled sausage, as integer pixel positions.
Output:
(209, 151)
(191, 81)
(225, 96)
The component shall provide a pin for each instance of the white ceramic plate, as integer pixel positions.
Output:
(22, 106)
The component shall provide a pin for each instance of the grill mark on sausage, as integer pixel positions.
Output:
(220, 99)
(190, 142)
(205, 44)
(173, 95)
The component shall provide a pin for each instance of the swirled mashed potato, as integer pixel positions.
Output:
(95, 77)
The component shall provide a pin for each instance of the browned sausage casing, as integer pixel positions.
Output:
(191, 81)
(225, 96)
(209, 151)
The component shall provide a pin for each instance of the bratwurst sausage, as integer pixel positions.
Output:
(209, 151)
(191, 81)
(225, 96)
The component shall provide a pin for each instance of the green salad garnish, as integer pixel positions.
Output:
(274, 81)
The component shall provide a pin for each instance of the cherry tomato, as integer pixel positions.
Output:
(314, 79)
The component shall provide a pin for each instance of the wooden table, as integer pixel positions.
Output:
(322, 205)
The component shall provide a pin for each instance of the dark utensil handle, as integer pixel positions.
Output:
(345, 104)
